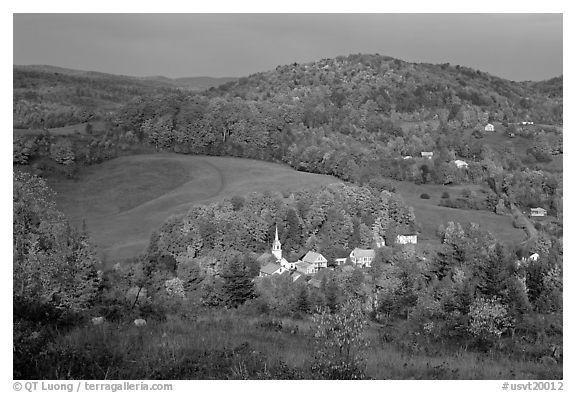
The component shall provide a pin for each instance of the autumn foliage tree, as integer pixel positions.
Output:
(54, 264)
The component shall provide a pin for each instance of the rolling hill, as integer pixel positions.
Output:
(123, 200)
(49, 96)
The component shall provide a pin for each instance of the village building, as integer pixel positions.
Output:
(315, 259)
(379, 241)
(407, 157)
(296, 276)
(538, 212)
(339, 261)
(427, 154)
(270, 269)
(362, 257)
(460, 163)
(279, 264)
(406, 239)
(277, 252)
(305, 267)
(489, 127)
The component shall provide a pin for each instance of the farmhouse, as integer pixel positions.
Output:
(362, 257)
(406, 239)
(538, 212)
(489, 127)
(315, 259)
(305, 267)
(427, 154)
(339, 261)
(460, 163)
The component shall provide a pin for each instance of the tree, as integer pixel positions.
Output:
(54, 264)
(238, 285)
(62, 152)
(340, 342)
(302, 302)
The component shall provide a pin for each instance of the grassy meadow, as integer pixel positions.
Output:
(235, 344)
(123, 200)
(429, 215)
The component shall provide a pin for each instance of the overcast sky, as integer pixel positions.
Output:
(513, 46)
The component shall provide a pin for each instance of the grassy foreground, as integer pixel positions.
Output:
(230, 344)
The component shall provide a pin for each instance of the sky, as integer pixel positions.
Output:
(512, 46)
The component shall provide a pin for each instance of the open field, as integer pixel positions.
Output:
(123, 200)
(429, 215)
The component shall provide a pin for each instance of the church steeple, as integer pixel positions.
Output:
(277, 246)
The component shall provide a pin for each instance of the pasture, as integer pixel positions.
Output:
(123, 200)
(429, 215)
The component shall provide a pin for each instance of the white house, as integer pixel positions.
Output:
(270, 269)
(427, 154)
(489, 127)
(527, 123)
(534, 257)
(316, 259)
(406, 239)
(460, 163)
(305, 267)
(538, 212)
(407, 157)
(339, 261)
(362, 257)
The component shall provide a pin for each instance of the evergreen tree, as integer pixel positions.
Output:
(302, 302)
(238, 286)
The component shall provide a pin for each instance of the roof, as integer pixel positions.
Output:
(303, 264)
(270, 268)
(540, 209)
(362, 253)
(315, 282)
(312, 256)
(407, 234)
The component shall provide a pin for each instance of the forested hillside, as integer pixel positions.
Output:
(49, 97)
(364, 117)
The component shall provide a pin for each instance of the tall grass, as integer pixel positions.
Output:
(228, 344)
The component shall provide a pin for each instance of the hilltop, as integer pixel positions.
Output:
(50, 97)
(397, 87)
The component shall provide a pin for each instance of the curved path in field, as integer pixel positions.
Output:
(123, 200)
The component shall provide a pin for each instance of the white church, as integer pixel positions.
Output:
(311, 263)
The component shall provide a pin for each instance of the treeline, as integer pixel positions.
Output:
(51, 97)
(353, 145)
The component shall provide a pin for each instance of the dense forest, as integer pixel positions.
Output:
(365, 119)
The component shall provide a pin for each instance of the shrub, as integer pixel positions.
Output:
(340, 342)
(425, 196)
(445, 195)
